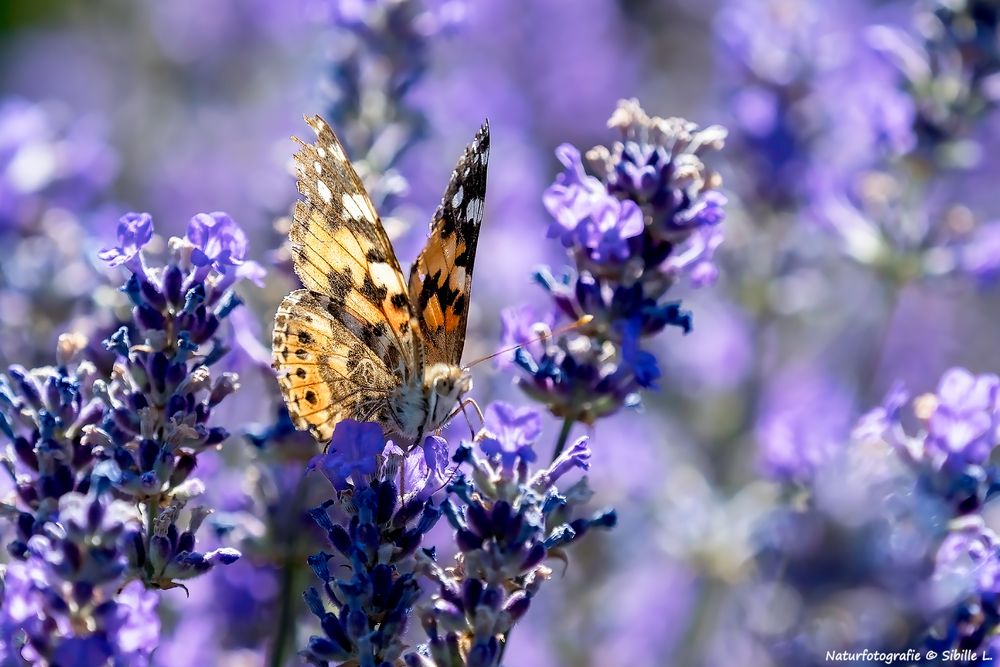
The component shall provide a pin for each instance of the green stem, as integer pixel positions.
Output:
(286, 613)
(291, 566)
(152, 508)
(703, 616)
(563, 437)
(869, 374)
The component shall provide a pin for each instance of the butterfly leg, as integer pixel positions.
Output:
(461, 408)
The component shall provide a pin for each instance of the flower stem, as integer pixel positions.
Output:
(567, 426)
(292, 567)
(283, 629)
(152, 508)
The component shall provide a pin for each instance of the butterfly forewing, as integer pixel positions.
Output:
(441, 278)
(342, 344)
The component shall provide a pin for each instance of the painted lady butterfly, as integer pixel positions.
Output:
(359, 342)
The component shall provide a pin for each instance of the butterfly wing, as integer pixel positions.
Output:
(327, 372)
(441, 278)
(345, 341)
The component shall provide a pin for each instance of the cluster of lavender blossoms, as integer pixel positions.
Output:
(911, 494)
(508, 519)
(650, 214)
(940, 73)
(384, 509)
(100, 448)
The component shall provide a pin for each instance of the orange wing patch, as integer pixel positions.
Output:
(441, 278)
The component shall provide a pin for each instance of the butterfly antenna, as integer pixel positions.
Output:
(586, 319)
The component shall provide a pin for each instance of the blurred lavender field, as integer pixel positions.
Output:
(811, 467)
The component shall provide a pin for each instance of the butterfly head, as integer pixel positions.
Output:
(446, 384)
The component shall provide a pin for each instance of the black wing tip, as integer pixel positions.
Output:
(478, 147)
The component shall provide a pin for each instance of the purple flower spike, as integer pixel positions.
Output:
(508, 434)
(964, 423)
(353, 453)
(218, 241)
(134, 231)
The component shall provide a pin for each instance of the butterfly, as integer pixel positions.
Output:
(359, 341)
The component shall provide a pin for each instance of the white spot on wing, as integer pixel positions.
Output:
(336, 152)
(318, 167)
(456, 201)
(475, 208)
(324, 192)
(384, 275)
(351, 206)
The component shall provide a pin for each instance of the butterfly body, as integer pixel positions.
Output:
(359, 341)
(417, 409)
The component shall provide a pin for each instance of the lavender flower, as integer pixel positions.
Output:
(45, 414)
(352, 455)
(158, 403)
(69, 602)
(130, 440)
(508, 434)
(650, 215)
(507, 521)
(135, 230)
(949, 67)
(383, 495)
(963, 426)
(916, 102)
(912, 507)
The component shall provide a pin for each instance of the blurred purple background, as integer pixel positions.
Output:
(854, 256)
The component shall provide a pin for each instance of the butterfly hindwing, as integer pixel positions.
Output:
(441, 278)
(328, 372)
